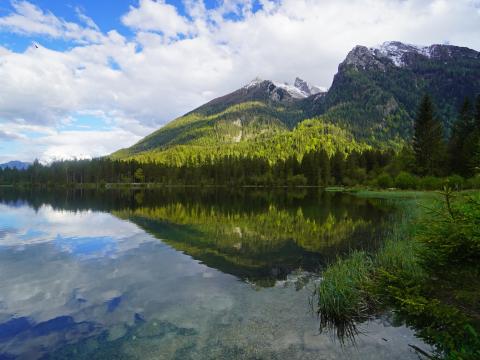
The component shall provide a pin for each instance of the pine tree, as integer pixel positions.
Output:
(474, 141)
(338, 167)
(308, 169)
(428, 142)
(323, 164)
(461, 141)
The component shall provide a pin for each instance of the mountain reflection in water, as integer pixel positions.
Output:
(155, 274)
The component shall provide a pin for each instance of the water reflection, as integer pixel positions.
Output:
(257, 236)
(264, 243)
(154, 274)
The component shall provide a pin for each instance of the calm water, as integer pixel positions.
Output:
(180, 275)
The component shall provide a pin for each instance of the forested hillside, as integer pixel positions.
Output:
(273, 143)
(372, 102)
(376, 91)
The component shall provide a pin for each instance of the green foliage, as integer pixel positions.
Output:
(242, 121)
(405, 181)
(440, 324)
(428, 143)
(463, 141)
(444, 302)
(384, 181)
(139, 175)
(430, 183)
(453, 238)
(309, 135)
(473, 183)
(455, 181)
(364, 103)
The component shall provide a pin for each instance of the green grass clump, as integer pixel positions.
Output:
(343, 298)
(399, 252)
(348, 292)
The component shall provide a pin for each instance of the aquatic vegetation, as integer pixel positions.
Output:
(427, 272)
(343, 296)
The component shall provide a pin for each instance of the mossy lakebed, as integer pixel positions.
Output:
(426, 272)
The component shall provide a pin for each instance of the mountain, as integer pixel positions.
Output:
(376, 90)
(20, 165)
(256, 112)
(372, 100)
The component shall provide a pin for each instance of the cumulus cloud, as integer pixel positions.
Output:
(29, 19)
(176, 61)
(156, 15)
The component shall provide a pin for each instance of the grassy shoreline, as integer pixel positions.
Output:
(442, 303)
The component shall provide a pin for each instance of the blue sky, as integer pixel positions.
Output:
(83, 78)
(106, 14)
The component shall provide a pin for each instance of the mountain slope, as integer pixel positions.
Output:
(308, 135)
(373, 99)
(376, 90)
(261, 108)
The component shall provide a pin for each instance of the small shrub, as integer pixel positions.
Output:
(406, 180)
(384, 181)
(474, 182)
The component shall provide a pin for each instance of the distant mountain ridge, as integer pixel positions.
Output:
(19, 165)
(373, 97)
(376, 90)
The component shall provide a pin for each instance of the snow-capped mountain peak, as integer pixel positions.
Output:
(299, 90)
(307, 88)
(395, 51)
(294, 91)
(253, 83)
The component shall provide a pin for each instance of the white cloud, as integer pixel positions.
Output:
(7, 135)
(174, 63)
(29, 19)
(86, 19)
(49, 145)
(84, 144)
(156, 15)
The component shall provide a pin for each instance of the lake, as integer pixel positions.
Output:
(182, 274)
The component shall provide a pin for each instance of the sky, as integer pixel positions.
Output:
(83, 78)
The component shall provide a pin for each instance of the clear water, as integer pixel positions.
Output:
(181, 275)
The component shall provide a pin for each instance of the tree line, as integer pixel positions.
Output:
(422, 163)
(316, 168)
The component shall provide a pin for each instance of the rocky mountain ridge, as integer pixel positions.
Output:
(403, 55)
(374, 96)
